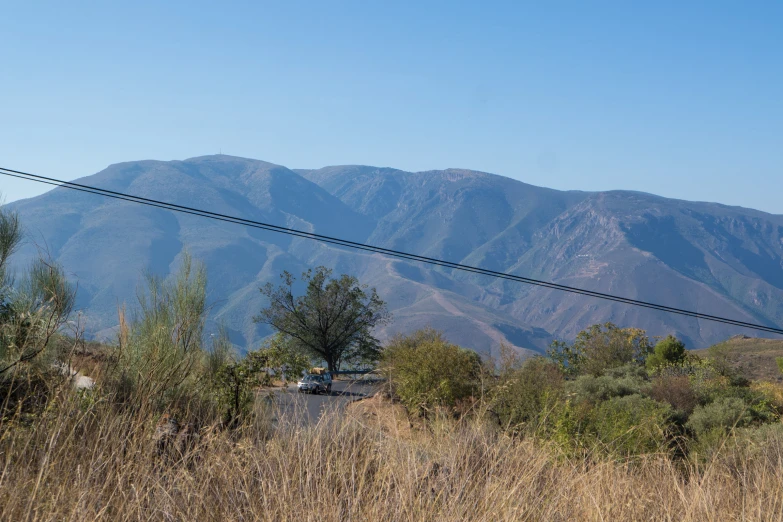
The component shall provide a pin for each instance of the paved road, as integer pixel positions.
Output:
(308, 407)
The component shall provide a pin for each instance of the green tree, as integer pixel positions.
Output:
(333, 320)
(667, 352)
(599, 348)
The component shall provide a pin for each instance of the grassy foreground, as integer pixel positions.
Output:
(82, 460)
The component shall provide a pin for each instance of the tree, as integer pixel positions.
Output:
(600, 348)
(668, 351)
(333, 320)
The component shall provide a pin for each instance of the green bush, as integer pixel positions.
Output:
(159, 357)
(667, 352)
(723, 414)
(234, 380)
(632, 425)
(599, 348)
(524, 396)
(720, 358)
(426, 371)
(620, 427)
(622, 381)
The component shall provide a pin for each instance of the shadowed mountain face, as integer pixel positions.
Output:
(707, 257)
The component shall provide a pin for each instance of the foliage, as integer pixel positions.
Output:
(523, 396)
(10, 237)
(599, 348)
(779, 361)
(235, 380)
(632, 425)
(597, 389)
(426, 371)
(771, 393)
(159, 355)
(719, 356)
(723, 414)
(668, 351)
(621, 426)
(284, 357)
(333, 320)
(31, 311)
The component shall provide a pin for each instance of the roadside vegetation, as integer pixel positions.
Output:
(612, 426)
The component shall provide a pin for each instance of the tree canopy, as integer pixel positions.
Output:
(333, 320)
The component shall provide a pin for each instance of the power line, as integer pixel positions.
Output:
(378, 250)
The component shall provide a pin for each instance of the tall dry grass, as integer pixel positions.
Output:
(83, 459)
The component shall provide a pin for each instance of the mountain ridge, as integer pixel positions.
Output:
(717, 258)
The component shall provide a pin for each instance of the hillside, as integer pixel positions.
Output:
(710, 257)
(754, 358)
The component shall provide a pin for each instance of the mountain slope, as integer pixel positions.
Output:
(107, 245)
(703, 256)
(709, 257)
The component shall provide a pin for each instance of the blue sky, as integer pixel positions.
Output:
(682, 99)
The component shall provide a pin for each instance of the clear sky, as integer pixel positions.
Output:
(681, 99)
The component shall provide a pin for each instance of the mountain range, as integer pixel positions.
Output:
(708, 257)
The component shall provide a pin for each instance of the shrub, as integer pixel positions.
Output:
(618, 384)
(632, 425)
(675, 390)
(524, 396)
(234, 380)
(599, 348)
(724, 414)
(33, 310)
(719, 357)
(771, 393)
(621, 426)
(426, 371)
(159, 357)
(669, 351)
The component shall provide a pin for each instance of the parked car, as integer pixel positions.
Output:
(314, 383)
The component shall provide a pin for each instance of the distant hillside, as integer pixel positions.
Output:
(716, 259)
(754, 358)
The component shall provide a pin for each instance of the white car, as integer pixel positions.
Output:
(312, 383)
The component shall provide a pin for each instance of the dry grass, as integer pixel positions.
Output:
(82, 461)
